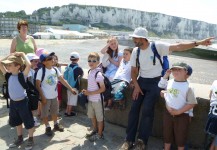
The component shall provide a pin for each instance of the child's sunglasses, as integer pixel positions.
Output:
(93, 61)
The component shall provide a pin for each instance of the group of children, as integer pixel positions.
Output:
(178, 94)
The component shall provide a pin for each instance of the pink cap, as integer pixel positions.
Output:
(40, 51)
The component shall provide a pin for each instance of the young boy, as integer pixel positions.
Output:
(19, 110)
(95, 103)
(122, 77)
(73, 71)
(211, 125)
(180, 99)
(48, 91)
(34, 59)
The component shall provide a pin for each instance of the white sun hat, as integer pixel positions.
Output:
(140, 32)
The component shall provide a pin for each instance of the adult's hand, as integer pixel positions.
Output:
(137, 90)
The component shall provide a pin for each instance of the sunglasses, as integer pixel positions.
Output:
(93, 61)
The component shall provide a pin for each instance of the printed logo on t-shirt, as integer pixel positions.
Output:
(51, 79)
(174, 92)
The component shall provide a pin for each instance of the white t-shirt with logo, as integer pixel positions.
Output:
(49, 84)
(213, 100)
(147, 69)
(179, 94)
(124, 71)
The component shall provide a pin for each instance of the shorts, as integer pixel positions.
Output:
(94, 109)
(175, 128)
(19, 113)
(72, 99)
(51, 106)
(211, 125)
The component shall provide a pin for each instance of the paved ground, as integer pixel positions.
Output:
(73, 138)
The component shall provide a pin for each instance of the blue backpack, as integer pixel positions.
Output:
(69, 75)
(164, 63)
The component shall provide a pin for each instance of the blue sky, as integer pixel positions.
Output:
(204, 10)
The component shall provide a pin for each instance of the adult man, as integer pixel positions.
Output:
(146, 88)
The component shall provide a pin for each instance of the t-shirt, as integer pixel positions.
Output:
(16, 91)
(179, 94)
(147, 69)
(213, 100)
(124, 71)
(92, 84)
(49, 84)
(26, 47)
(31, 75)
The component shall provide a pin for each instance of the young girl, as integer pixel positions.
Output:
(59, 85)
(115, 58)
(211, 126)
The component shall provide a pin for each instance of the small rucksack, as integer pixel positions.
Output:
(69, 75)
(164, 63)
(32, 92)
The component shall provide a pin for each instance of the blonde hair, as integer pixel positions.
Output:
(109, 50)
(94, 55)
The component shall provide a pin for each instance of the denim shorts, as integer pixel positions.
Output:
(20, 113)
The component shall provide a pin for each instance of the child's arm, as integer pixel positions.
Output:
(164, 80)
(100, 90)
(65, 83)
(210, 94)
(62, 64)
(38, 86)
(187, 107)
(2, 67)
(103, 51)
(27, 62)
(115, 62)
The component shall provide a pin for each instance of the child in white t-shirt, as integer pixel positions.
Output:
(211, 126)
(180, 99)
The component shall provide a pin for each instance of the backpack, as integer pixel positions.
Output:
(164, 63)
(107, 94)
(32, 92)
(69, 75)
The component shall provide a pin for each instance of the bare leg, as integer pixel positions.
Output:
(31, 131)
(181, 148)
(100, 128)
(19, 130)
(45, 120)
(94, 123)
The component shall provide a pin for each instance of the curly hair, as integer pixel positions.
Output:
(20, 23)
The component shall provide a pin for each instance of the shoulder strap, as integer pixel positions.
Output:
(22, 81)
(156, 54)
(7, 76)
(43, 73)
(137, 58)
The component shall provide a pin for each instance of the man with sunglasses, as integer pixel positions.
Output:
(48, 91)
(145, 80)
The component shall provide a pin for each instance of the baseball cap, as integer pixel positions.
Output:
(180, 65)
(32, 56)
(140, 32)
(190, 70)
(46, 54)
(12, 59)
(74, 55)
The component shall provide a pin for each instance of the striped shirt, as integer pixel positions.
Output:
(92, 84)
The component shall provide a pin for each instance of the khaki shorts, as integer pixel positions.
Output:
(94, 109)
(52, 106)
(72, 99)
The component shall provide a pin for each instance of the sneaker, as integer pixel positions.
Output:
(96, 137)
(71, 114)
(58, 127)
(127, 145)
(108, 108)
(88, 135)
(16, 143)
(36, 123)
(140, 145)
(48, 131)
(29, 145)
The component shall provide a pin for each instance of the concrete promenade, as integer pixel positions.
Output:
(73, 137)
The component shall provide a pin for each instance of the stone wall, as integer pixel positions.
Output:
(196, 134)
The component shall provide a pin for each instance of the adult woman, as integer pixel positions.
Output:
(23, 42)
